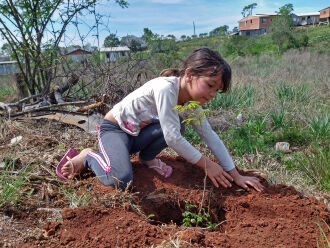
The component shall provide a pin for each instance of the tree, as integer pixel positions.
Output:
(201, 35)
(111, 41)
(219, 30)
(34, 29)
(281, 26)
(183, 37)
(147, 34)
(133, 42)
(247, 10)
(171, 36)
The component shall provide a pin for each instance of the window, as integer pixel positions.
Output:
(245, 23)
(324, 12)
(251, 21)
(263, 20)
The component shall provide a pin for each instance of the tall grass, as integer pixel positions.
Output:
(316, 166)
(319, 124)
(324, 239)
(238, 97)
(298, 93)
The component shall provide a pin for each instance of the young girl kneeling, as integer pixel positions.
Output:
(145, 122)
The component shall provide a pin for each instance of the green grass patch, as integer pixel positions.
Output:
(191, 135)
(6, 91)
(319, 124)
(316, 166)
(11, 183)
(298, 93)
(252, 136)
(237, 97)
(75, 197)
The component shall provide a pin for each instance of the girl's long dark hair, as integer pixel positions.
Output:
(203, 62)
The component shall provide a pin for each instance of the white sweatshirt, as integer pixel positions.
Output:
(154, 102)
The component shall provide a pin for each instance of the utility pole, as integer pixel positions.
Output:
(194, 28)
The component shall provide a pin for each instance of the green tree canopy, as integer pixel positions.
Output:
(247, 10)
(219, 30)
(281, 26)
(111, 41)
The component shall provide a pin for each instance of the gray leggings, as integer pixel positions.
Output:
(112, 164)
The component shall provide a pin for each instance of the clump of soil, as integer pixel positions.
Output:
(278, 217)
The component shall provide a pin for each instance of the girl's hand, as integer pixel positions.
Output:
(246, 181)
(215, 172)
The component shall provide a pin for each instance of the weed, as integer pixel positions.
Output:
(75, 199)
(316, 166)
(150, 216)
(325, 241)
(297, 93)
(238, 97)
(319, 124)
(278, 117)
(259, 125)
(11, 183)
(193, 219)
(294, 135)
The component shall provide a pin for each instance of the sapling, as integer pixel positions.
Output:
(196, 115)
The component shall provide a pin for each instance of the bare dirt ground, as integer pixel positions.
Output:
(149, 215)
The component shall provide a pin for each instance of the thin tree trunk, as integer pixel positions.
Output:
(21, 86)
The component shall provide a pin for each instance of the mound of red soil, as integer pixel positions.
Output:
(278, 217)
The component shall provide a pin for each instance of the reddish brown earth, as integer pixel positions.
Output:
(278, 217)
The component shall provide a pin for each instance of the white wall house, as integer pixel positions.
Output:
(8, 67)
(312, 18)
(111, 54)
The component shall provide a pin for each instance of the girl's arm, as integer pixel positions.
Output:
(217, 147)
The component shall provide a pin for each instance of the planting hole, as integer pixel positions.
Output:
(166, 211)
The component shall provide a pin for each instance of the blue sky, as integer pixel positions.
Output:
(177, 16)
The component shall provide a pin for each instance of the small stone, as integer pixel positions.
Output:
(283, 147)
(16, 140)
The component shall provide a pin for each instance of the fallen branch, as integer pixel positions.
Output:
(16, 104)
(49, 107)
(92, 106)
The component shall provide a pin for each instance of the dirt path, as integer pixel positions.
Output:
(279, 217)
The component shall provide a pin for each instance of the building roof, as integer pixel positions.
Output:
(77, 51)
(266, 14)
(309, 14)
(324, 8)
(248, 18)
(8, 62)
(114, 49)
